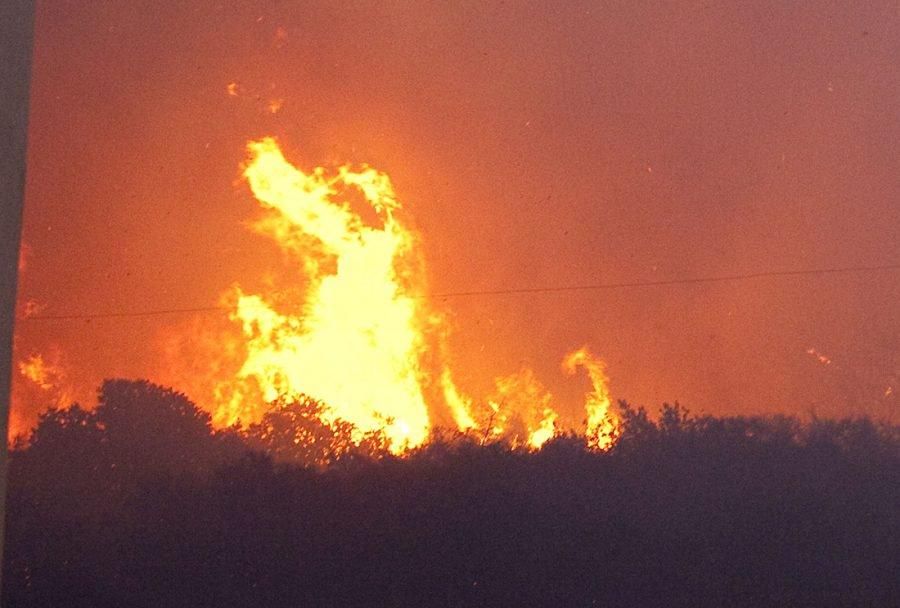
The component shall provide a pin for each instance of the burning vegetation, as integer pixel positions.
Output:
(355, 330)
(351, 328)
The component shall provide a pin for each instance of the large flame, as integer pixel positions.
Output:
(356, 333)
(357, 340)
(361, 338)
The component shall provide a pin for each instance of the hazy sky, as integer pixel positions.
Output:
(533, 144)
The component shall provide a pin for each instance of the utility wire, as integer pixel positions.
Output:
(666, 282)
(117, 315)
(513, 291)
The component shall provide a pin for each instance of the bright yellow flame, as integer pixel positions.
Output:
(356, 342)
(545, 431)
(460, 405)
(522, 409)
(602, 422)
(362, 339)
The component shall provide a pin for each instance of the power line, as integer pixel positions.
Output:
(115, 315)
(511, 291)
(666, 282)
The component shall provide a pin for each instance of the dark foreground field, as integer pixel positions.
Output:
(138, 504)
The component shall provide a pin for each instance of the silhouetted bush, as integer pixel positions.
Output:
(140, 503)
(296, 432)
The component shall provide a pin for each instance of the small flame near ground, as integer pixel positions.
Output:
(602, 423)
(42, 379)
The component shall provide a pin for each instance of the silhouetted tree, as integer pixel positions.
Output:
(300, 431)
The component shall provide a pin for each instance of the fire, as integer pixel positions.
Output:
(823, 359)
(357, 341)
(362, 339)
(523, 409)
(602, 422)
(42, 379)
(545, 431)
(460, 405)
(35, 369)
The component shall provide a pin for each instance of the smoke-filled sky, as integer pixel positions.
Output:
(532, 144)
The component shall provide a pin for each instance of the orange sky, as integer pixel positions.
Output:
(532, 146)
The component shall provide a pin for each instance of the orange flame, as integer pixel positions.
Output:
(602, 423)
(356, 343)
(523, 409)
(362, 339)
(823, 359)
(545, 431)
(460, 405)
(35, 369)
(45, 382)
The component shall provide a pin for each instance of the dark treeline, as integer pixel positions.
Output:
(139, 503)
